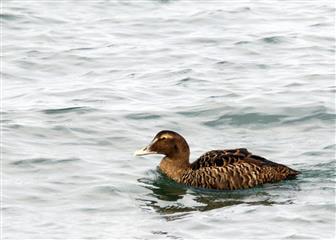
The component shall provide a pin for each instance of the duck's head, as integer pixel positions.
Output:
(168, 143)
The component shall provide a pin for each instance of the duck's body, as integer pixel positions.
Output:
(217, 169)
(227, 169)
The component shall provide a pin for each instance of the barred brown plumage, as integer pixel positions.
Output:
(217, 169)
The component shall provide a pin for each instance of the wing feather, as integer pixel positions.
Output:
(236, 168)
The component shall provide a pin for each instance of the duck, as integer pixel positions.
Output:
(229, 169)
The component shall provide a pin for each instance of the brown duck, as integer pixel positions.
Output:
(216, 169)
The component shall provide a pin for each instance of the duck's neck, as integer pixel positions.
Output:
(174, 168)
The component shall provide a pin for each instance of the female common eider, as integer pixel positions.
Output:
(217, 169)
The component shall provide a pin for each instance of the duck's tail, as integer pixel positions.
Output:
(292, 174)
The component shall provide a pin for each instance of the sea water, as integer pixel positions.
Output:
(86, 83)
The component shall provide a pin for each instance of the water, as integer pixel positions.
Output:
(85, 83)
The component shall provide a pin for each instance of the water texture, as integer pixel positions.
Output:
(85, 83)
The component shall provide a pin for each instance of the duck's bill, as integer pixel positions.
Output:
(143, 151)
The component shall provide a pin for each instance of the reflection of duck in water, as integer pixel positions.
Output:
(217, 169)
(166, 196)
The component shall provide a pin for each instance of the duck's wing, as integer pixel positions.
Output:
(219, 158)
(235, 168)
(232, 157)
(241, 158)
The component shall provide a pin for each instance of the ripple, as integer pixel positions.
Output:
(242, 42)
(9, 16)
(42, 161)
(317, 116)
(245, 119)
(332, 146)
(142, 116)
(274, 39)
(67, 110)
(106, 189)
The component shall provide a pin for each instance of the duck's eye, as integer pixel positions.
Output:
(163, 138)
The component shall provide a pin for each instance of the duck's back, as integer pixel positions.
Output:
(234, 169)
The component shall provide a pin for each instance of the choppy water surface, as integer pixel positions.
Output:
(85, 83)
